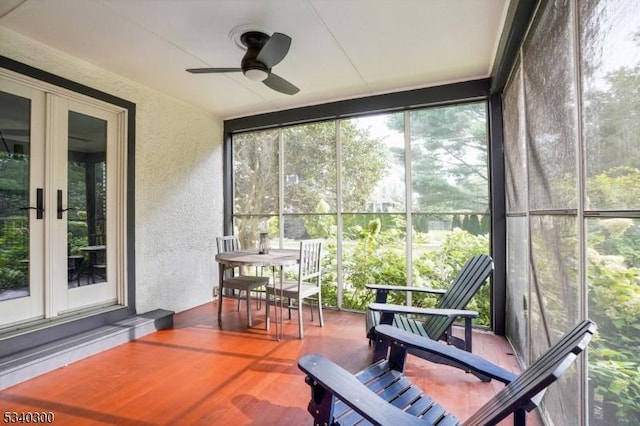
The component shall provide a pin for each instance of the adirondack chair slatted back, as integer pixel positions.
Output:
(532, 383)
(473, 274)
(310, 260)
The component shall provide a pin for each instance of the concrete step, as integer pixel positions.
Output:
(32, 362)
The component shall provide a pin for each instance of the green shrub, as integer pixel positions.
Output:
(614, 368)
(438, 268)
(14, 250)
(379, 256)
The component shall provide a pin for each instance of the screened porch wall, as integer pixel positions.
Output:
(386, 192)
(572, 154)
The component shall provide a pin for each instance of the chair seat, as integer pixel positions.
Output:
(400, 321)
(290, 289)
(393, 389)
(245, 282)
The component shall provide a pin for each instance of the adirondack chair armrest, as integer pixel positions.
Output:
(383, 290)
(328, 379)
(406, 288)
(401, 309)
(421, 346)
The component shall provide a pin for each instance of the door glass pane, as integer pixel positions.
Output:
(14, 196)
(86, 200)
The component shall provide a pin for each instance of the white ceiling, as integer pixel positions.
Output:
(341, 48)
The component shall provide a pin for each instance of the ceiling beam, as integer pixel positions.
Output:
(389, 102)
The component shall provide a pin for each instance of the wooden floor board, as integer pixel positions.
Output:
(198, 373)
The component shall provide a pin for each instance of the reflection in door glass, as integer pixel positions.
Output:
(14, 196)
(87, 200)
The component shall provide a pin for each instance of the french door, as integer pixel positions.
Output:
(61, 203)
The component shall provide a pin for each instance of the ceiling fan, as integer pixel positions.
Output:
(263, 52)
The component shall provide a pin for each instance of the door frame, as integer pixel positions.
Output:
(66, 326)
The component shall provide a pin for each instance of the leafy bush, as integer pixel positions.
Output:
(613, 277)
(14, 249)
(438, 268)
(379, 256)
(614, 368)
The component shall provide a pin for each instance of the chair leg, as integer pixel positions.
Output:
(300, 330)
(220, 291)
(259, 297)
(267, 304)
(248, 294)
(320, 310)
(258, 301)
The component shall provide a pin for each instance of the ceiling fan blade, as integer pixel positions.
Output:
(212, 70)
(281, 85)
(274, 50)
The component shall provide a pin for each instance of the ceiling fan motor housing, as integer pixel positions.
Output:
(254, 69)
(251, 67)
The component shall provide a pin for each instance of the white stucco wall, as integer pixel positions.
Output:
(178, 180)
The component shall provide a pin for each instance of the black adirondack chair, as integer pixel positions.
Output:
(435, 323)
(382, 395)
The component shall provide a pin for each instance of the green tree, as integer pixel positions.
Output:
(255, 181)
(367, 160)
(474, 227)
(613, 122)
(449, 157)
(456, 222)
(309, 172)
